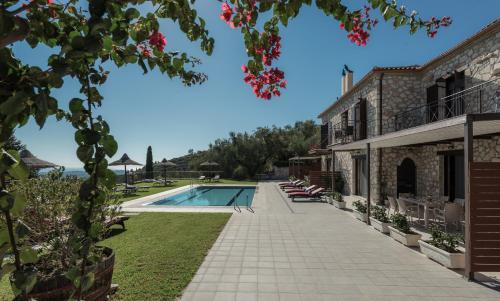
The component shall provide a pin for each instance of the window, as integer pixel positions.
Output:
(360, 120)
(454, 103)
(453, 176)
(432, 103)
(325, 129)
(360, 176)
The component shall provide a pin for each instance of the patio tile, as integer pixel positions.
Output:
(318, 253)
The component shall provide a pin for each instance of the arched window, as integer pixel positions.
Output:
(407, 177)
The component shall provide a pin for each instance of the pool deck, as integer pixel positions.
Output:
(313, 251)
(140, 204)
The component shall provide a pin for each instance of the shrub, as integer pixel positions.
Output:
(337, 196)
(51, 200)
(444, 241)
(240, 173)
(400, 222)
(379, 213)
(360, 206)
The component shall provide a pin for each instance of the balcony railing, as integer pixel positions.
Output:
(481, 98)
(349, 130)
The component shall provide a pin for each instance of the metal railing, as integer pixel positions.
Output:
(481, 98)
(349, 130)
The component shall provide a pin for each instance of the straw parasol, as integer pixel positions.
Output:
(33, 162)
(209, 164)
(165, 163)
(124, 160)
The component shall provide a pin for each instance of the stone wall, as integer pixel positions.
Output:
(428, 163)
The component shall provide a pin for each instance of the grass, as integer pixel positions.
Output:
(159, 253)
(179, 183)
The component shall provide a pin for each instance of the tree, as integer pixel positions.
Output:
(86, 37)
(149, 163)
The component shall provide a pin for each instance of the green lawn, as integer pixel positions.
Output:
(159, 253)
(179, 183)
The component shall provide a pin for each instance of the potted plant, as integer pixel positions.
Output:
(337, 200)
(359, 210)
(379, 219)
(50, 202)
(400, 231)
(442, 248)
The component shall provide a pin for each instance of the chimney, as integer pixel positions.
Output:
(343, 82)
(347, 79)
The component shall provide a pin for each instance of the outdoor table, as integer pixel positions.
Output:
(426, 203)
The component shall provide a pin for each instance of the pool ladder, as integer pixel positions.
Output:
(236, 207)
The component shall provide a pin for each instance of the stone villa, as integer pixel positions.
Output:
(388, 100)
(428, 134)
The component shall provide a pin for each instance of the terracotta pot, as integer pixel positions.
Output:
(59, 288)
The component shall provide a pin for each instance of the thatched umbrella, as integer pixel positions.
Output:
(209, 164)
(165, 163)
(124, 160)
(33, 162)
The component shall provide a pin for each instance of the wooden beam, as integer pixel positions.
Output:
(468, 159)
(333, 170)
(368, 194)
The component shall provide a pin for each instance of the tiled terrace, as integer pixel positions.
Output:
(312, 251)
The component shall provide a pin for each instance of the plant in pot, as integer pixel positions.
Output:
(50, 202)
(443, 248)
(401, 231)
(379, 219)
(359, 210)
(337, 200)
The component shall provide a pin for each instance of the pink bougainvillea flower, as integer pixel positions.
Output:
(158, 40)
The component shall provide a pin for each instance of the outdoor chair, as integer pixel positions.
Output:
(408, 210)
(393, 205)
(288, 183)
(202, 178)
(450, 213)
(295, 185)
(216, 178)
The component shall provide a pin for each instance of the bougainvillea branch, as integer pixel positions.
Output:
(264, 45)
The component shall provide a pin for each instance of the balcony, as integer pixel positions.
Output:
(482, 98)
(348, 131)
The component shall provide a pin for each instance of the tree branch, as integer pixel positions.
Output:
(16, 35)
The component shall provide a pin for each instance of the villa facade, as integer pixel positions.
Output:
(428, 133)
(461, 81)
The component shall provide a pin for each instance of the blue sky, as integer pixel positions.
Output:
(154, 110)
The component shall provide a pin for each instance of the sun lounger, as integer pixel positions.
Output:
(307, 189)
(216, 178)
(315, 194)
(295, 185)
(288, 183)
(202, 178)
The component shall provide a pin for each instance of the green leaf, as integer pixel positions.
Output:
(19, 203)
(14, 104)
(87, 281)
(6, 269)
(28, 255)
(107, 43)
(110, 145)
(132, 13)
(85, 152)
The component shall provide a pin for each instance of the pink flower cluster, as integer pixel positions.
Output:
(358, 34)
(243, 14)
(156, 40)
(267, 83)
(273, 52)
(434, 23)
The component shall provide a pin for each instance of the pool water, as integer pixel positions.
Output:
(210, 196)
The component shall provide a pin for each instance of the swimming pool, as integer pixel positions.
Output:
(210, 196)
